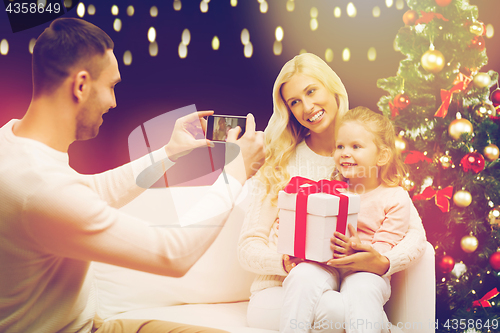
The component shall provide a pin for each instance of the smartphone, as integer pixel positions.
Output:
(219, 125)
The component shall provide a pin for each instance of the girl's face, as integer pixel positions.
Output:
(356, 155)
(311, 103)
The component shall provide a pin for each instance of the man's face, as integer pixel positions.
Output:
(100, 100)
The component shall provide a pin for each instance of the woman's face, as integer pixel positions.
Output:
(311, 103)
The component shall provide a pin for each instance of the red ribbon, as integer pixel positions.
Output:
(426, 17)
(416, 156)
(394, 110)
(442, 197)
(460, 83)
(323, 186)
(484, 300)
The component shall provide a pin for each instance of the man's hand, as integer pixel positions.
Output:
(252, 150)
(342, 245)
(186, 130)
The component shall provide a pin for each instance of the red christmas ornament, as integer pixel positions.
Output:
(472, 162)
(401, 101)
(410, 17)
(446, 264)
(477, 43)
(443, 3)
(495, 261)
(495, 97)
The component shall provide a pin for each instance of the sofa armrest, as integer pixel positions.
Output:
(412, 305)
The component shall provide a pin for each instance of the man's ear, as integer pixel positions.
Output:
(384, 156)
(81, 86)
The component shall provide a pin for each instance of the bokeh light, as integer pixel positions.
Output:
(389, 3)
(245, 36)
(264, 7)
(127, 58)
(114, 10)
(183, 50)
(290, 5)
(346, 54)
(80, 10)
(314, 12)
(203, 6)
(279, 34)
(153, 49)
(117, 24)
(248, 50)
(351, 10)
(234, 3)
(186, 37)
(314, 24)
(215, 43)
(130, 10)
(302, 51)
(400, 4)
(4, 47)
(329, 55)
(376, 11)
(153, 11)
(91, 10)
(277, 47)
(152, 34)
(337, 12)
(67, 3)
(372, 54)
(490, 31)
(177, 5)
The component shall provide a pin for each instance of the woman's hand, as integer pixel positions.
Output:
(342, 245)
(290, 262)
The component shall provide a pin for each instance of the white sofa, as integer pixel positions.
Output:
(215, 291)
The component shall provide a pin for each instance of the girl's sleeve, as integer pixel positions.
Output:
(410, 248)
(254, 251)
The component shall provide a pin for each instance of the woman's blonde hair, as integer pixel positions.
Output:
(284, 132)
(393, 172)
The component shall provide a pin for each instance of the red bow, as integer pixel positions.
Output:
(426, 17)
(442, 197)
(324, 186)
(394, 110)
(484, 300)
(460, 83)
(416, 156)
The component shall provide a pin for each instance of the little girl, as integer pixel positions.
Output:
(365, 157)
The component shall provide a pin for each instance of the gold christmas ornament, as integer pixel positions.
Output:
(476, 28)
(433, 61)
(458, 127)
(400, 143)
(484, 110)
(462, 198)
(491, 152)
(445, 161)
(469, 244)
(482, 80)
(409, 184)
(494, 216)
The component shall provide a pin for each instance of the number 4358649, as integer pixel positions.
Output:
(455, 324)
(32, 8)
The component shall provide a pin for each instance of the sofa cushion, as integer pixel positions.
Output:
(217, 277)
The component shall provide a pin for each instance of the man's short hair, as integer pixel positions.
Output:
(67, 42)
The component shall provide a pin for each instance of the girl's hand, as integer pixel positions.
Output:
(365, 260)
(342, 245)
(290, 262)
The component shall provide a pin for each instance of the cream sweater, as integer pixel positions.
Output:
(54, 222)
(257, 244)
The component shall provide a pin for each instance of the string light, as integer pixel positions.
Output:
(4, 47)
(153, 49)
(203, 6)
(264, 6)
(91, 10)
(400, 4)
(337, 12)
(153, 11)
(277, 47)
(245, 36)
(186, 37)
(177, 5)
(67, 3)
(183, 51)
(152, 34)
(248, 50)
(376, 11)
(351, 10)
(130, 10)
(117, 24)
(80, 9)
(279, 33)
(114, 10)
(234, 3)
(389, 3)
(490, 31)
(329, 55)
(372, 54)
(346, 54)
(215, 43)
(127, 58)
(314, 18)
(290, 5)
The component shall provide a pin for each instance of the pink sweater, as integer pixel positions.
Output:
(384, 217)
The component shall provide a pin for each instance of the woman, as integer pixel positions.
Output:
(308, 96)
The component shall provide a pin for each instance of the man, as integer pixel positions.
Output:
(54, 221)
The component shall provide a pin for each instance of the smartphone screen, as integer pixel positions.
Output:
(219, 125)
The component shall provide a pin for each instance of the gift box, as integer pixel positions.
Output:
(309, 213)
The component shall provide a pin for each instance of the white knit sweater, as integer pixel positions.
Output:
(257, 244)
(54, 222)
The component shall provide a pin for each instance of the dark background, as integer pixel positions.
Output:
(222, 80)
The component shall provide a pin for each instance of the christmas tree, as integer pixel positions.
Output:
(445, 111)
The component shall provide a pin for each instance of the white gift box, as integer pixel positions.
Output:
(322, 211)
